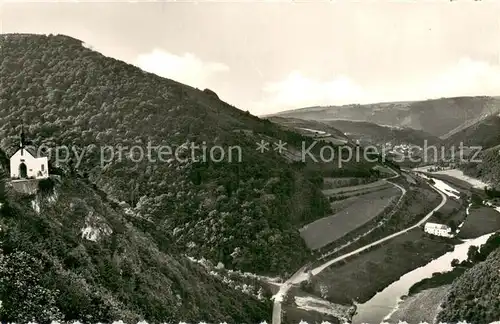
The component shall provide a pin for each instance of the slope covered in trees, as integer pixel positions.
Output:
(474, 296)
(377, 134)
(50, 270)
(243, 214)
(487, 168)
(485, 133)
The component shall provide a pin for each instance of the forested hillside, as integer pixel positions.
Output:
(488, 168)
(67, 255)
(91, 262)
(475, 296)
(485, 133)
(243, 214)
(376, 134)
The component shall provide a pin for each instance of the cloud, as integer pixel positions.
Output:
(466, 77)
(296, 90)
(188, 68)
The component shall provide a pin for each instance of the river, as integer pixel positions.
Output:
(383, 303)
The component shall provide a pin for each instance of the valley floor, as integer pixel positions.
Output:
(357, 278)
(458, 174)
(379, 252)
(363, 276)
(329, 229)
(482, 220)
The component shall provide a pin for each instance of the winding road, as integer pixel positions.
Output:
(301, 274)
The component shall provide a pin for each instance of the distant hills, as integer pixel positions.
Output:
(373, 133)
(312, 128)
(437, 117)
(446, 122)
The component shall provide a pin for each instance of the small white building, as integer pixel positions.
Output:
(25, 164)
(438, 229)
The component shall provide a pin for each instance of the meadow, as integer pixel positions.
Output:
(328, 229)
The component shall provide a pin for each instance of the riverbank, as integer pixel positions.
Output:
(312, 309)
(447, 277)
(481, 220)
(421, 307)
(366, 274)
(385, 303)
(459, 175)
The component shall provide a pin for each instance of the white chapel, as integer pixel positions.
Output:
(25, 164)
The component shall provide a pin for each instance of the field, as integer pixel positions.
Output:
(330, 183)
(384, 170)
(410, 179)
(348, 194)
(343, 190)
(417, 202)
(360, 277)
(328, 229)
(346, 201)
(452, 212)
(482, 220)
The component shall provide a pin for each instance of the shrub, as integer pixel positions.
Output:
(46, 186)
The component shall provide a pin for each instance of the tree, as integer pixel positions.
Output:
(472, 254)
(453, 225)
(4, 160)
(476, 199)
(3, 194)
(23, 298)
(288, 299)
(455, 263)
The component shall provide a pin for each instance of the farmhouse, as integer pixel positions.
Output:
(438, 229)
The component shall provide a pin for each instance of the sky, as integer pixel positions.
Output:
(269, 56)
